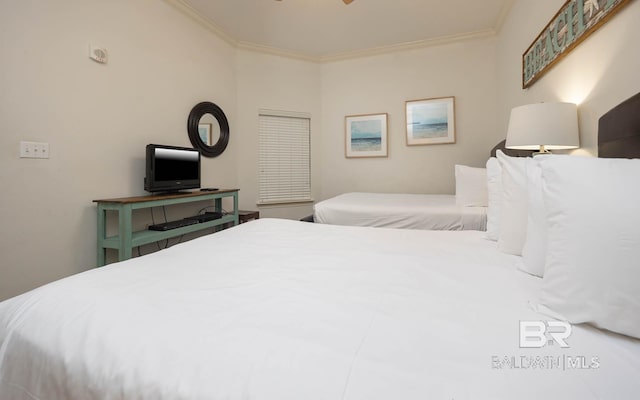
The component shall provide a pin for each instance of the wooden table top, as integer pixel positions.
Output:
(163, 196)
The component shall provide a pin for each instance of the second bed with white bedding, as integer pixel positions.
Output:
(399, 210)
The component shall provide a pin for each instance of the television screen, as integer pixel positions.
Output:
(171, 168)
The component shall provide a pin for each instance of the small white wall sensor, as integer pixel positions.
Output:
(98, 54)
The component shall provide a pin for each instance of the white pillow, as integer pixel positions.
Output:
(535, 245)
(471, 186)
(592, 271)
(513, 218)
(494, 195)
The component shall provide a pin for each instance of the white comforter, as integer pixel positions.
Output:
(277, 309)
(399, 210)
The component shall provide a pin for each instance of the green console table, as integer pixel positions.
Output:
(126, 239)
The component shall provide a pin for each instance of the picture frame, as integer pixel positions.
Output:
(366, 135)
(430, 121)
(204, 131)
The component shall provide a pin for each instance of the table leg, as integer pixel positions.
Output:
(125, 217)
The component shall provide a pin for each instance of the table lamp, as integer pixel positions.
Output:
(543, 127)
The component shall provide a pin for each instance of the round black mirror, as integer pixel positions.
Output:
(205, 134)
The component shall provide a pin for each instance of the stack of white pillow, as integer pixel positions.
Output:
(576, 223)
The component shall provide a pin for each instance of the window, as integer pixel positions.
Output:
(285, 161)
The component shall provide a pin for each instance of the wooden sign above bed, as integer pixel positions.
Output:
(575, 21)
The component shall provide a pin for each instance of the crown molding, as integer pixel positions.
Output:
(502, 16)
(275, 51)
(189, 11)
(207, 23)
(418, 44)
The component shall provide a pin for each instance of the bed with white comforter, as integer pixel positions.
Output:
(276, 309)
(400, 210)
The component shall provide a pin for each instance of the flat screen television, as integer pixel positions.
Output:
(171, 169)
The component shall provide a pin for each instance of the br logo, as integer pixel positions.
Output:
(537, 334)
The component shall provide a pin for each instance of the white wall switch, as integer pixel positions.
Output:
(34, 150)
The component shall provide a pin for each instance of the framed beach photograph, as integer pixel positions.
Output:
(366, 135)
(205, 133)
(431, 121)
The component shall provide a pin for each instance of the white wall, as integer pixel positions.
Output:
(96, 118)
(275, 83)
(382, 84)
(597, 75)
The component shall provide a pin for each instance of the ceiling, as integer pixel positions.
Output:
(328, 29)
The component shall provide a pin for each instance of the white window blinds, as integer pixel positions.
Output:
(285, 162)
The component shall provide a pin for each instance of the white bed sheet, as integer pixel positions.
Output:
(399, 210)
(276, 309)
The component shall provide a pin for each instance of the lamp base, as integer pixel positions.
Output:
(542, 151)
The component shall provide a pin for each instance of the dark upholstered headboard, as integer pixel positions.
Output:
(619, 130)
(510, 152)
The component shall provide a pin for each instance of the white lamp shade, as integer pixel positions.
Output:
(552, 125)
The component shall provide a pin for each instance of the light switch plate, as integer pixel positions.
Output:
(34, 149)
